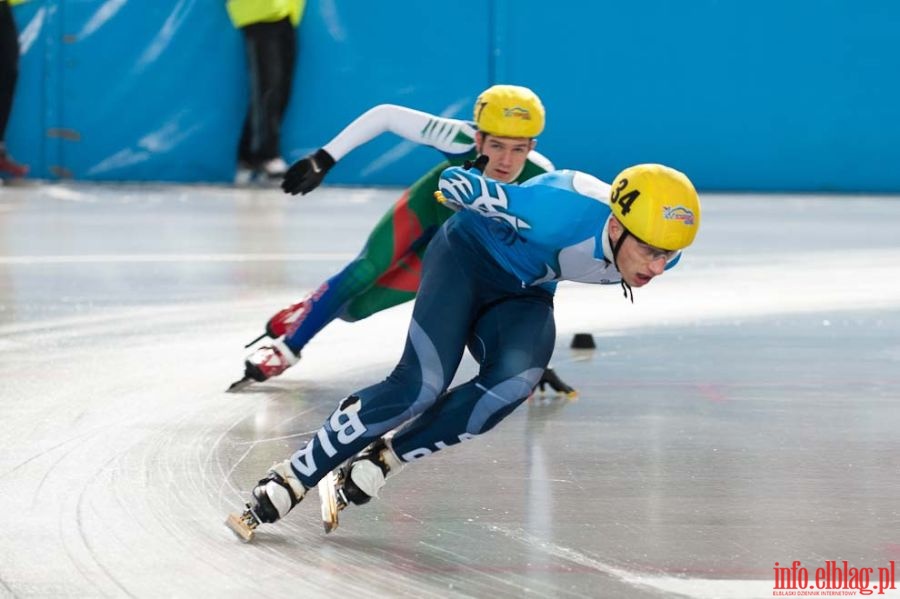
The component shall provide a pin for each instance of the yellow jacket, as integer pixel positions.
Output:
(247, 12)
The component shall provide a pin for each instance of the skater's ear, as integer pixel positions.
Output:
(615, 228)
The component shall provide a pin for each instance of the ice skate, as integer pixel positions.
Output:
(356, 483)
(551, 379)
(243, 525)
(281, 323)
(273, 497)
(264, 363)
(331, 499)
(239, 385)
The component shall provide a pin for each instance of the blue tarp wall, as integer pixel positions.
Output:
(795, 95)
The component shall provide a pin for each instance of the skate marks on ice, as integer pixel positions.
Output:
(121, 452)
(119, 444)
(695, 588)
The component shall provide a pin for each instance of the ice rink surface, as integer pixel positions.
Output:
(744, 411)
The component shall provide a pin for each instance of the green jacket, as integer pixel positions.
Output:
(247, 12)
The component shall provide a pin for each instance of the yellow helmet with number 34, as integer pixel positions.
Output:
(657, 204)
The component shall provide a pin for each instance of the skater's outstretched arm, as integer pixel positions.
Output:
(452, 137)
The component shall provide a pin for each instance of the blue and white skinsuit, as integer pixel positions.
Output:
(488, 281)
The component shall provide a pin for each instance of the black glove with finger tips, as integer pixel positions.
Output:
(307, 173)
(478, 164)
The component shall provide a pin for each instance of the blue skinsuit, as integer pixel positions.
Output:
(488, 280)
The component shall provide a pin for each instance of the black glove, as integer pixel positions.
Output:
(478, 164)
(307, 173)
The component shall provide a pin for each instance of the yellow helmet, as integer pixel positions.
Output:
(509, 111)
(656, 204)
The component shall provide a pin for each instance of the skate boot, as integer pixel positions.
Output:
(269, 360)
(284, 322)
(265, 362)
(273, 497)
(280, 324)
(357, 482)
(552, 379)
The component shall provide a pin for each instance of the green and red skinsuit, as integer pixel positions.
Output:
(388, 269)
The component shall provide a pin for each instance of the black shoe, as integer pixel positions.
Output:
(557, 384)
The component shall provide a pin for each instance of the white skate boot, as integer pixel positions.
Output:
(273, 497)
(357, 482)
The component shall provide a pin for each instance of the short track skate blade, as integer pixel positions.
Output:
(570, 394)
(239, 528)
(239, 385)
(543, 392)
(260, 338)
(328, 500)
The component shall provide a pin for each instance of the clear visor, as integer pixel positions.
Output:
(652, 253)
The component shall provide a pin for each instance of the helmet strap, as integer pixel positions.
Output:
(626, 288)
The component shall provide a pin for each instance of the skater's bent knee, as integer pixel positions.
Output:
(499, 401)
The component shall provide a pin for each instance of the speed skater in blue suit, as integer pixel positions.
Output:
(488, 280)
